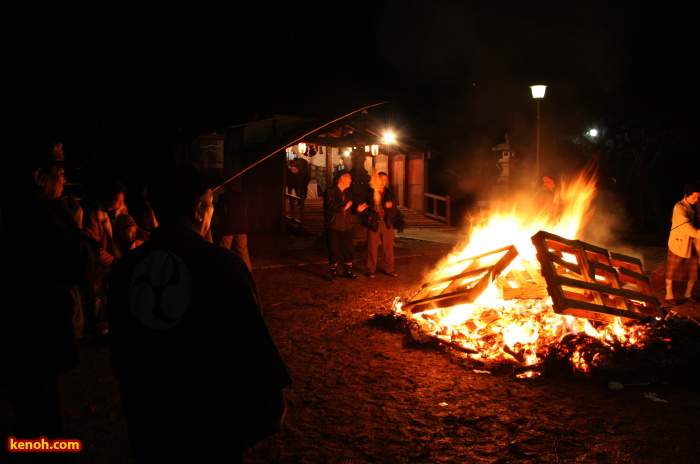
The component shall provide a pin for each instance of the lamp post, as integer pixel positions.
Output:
(538, 94)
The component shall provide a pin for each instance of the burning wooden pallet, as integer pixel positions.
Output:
(587, 281)
(522, 281)
(465, 282)
(583, 280)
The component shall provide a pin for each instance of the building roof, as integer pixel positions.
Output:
(354, 129)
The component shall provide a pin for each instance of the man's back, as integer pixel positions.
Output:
(190, 349)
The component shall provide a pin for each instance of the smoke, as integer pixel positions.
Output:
(609, 223)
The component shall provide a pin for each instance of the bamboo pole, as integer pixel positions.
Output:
(293, 142)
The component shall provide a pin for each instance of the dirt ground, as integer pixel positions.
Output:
(363, 394)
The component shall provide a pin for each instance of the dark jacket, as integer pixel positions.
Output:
(371, 217)
(335, 215)
(190, 348)
(40, 259)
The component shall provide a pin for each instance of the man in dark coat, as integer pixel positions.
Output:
(338, 220)
(304, 176)
(199, 374)
(43, 256)
(340, 167)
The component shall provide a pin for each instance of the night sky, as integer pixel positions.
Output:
(455, 73)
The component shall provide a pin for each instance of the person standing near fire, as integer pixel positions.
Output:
(544, 197)
(199, 375)
(337, 213)
(682, 262)
(379, 219)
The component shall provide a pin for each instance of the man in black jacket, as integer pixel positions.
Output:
(43, 256)
(338, 219)
(199, 374)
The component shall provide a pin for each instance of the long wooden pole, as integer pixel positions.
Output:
(293, 142)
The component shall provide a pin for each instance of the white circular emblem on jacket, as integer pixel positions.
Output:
(161, 289)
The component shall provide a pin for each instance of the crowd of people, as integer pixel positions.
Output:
(172, 295)
(199, 375)
(163, 275)
(378, 214)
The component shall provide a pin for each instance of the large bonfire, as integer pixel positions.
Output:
(491, 328)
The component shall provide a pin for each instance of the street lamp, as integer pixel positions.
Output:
(538, 94)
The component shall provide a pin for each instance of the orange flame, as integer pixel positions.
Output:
(517, 329)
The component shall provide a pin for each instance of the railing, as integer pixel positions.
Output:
(294, 211)
(432, 209)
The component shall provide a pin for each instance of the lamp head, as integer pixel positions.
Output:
(538, 91)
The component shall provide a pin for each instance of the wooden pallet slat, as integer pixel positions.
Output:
(528, 280)
(467, 280)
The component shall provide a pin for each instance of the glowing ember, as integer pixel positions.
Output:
(489, 327)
